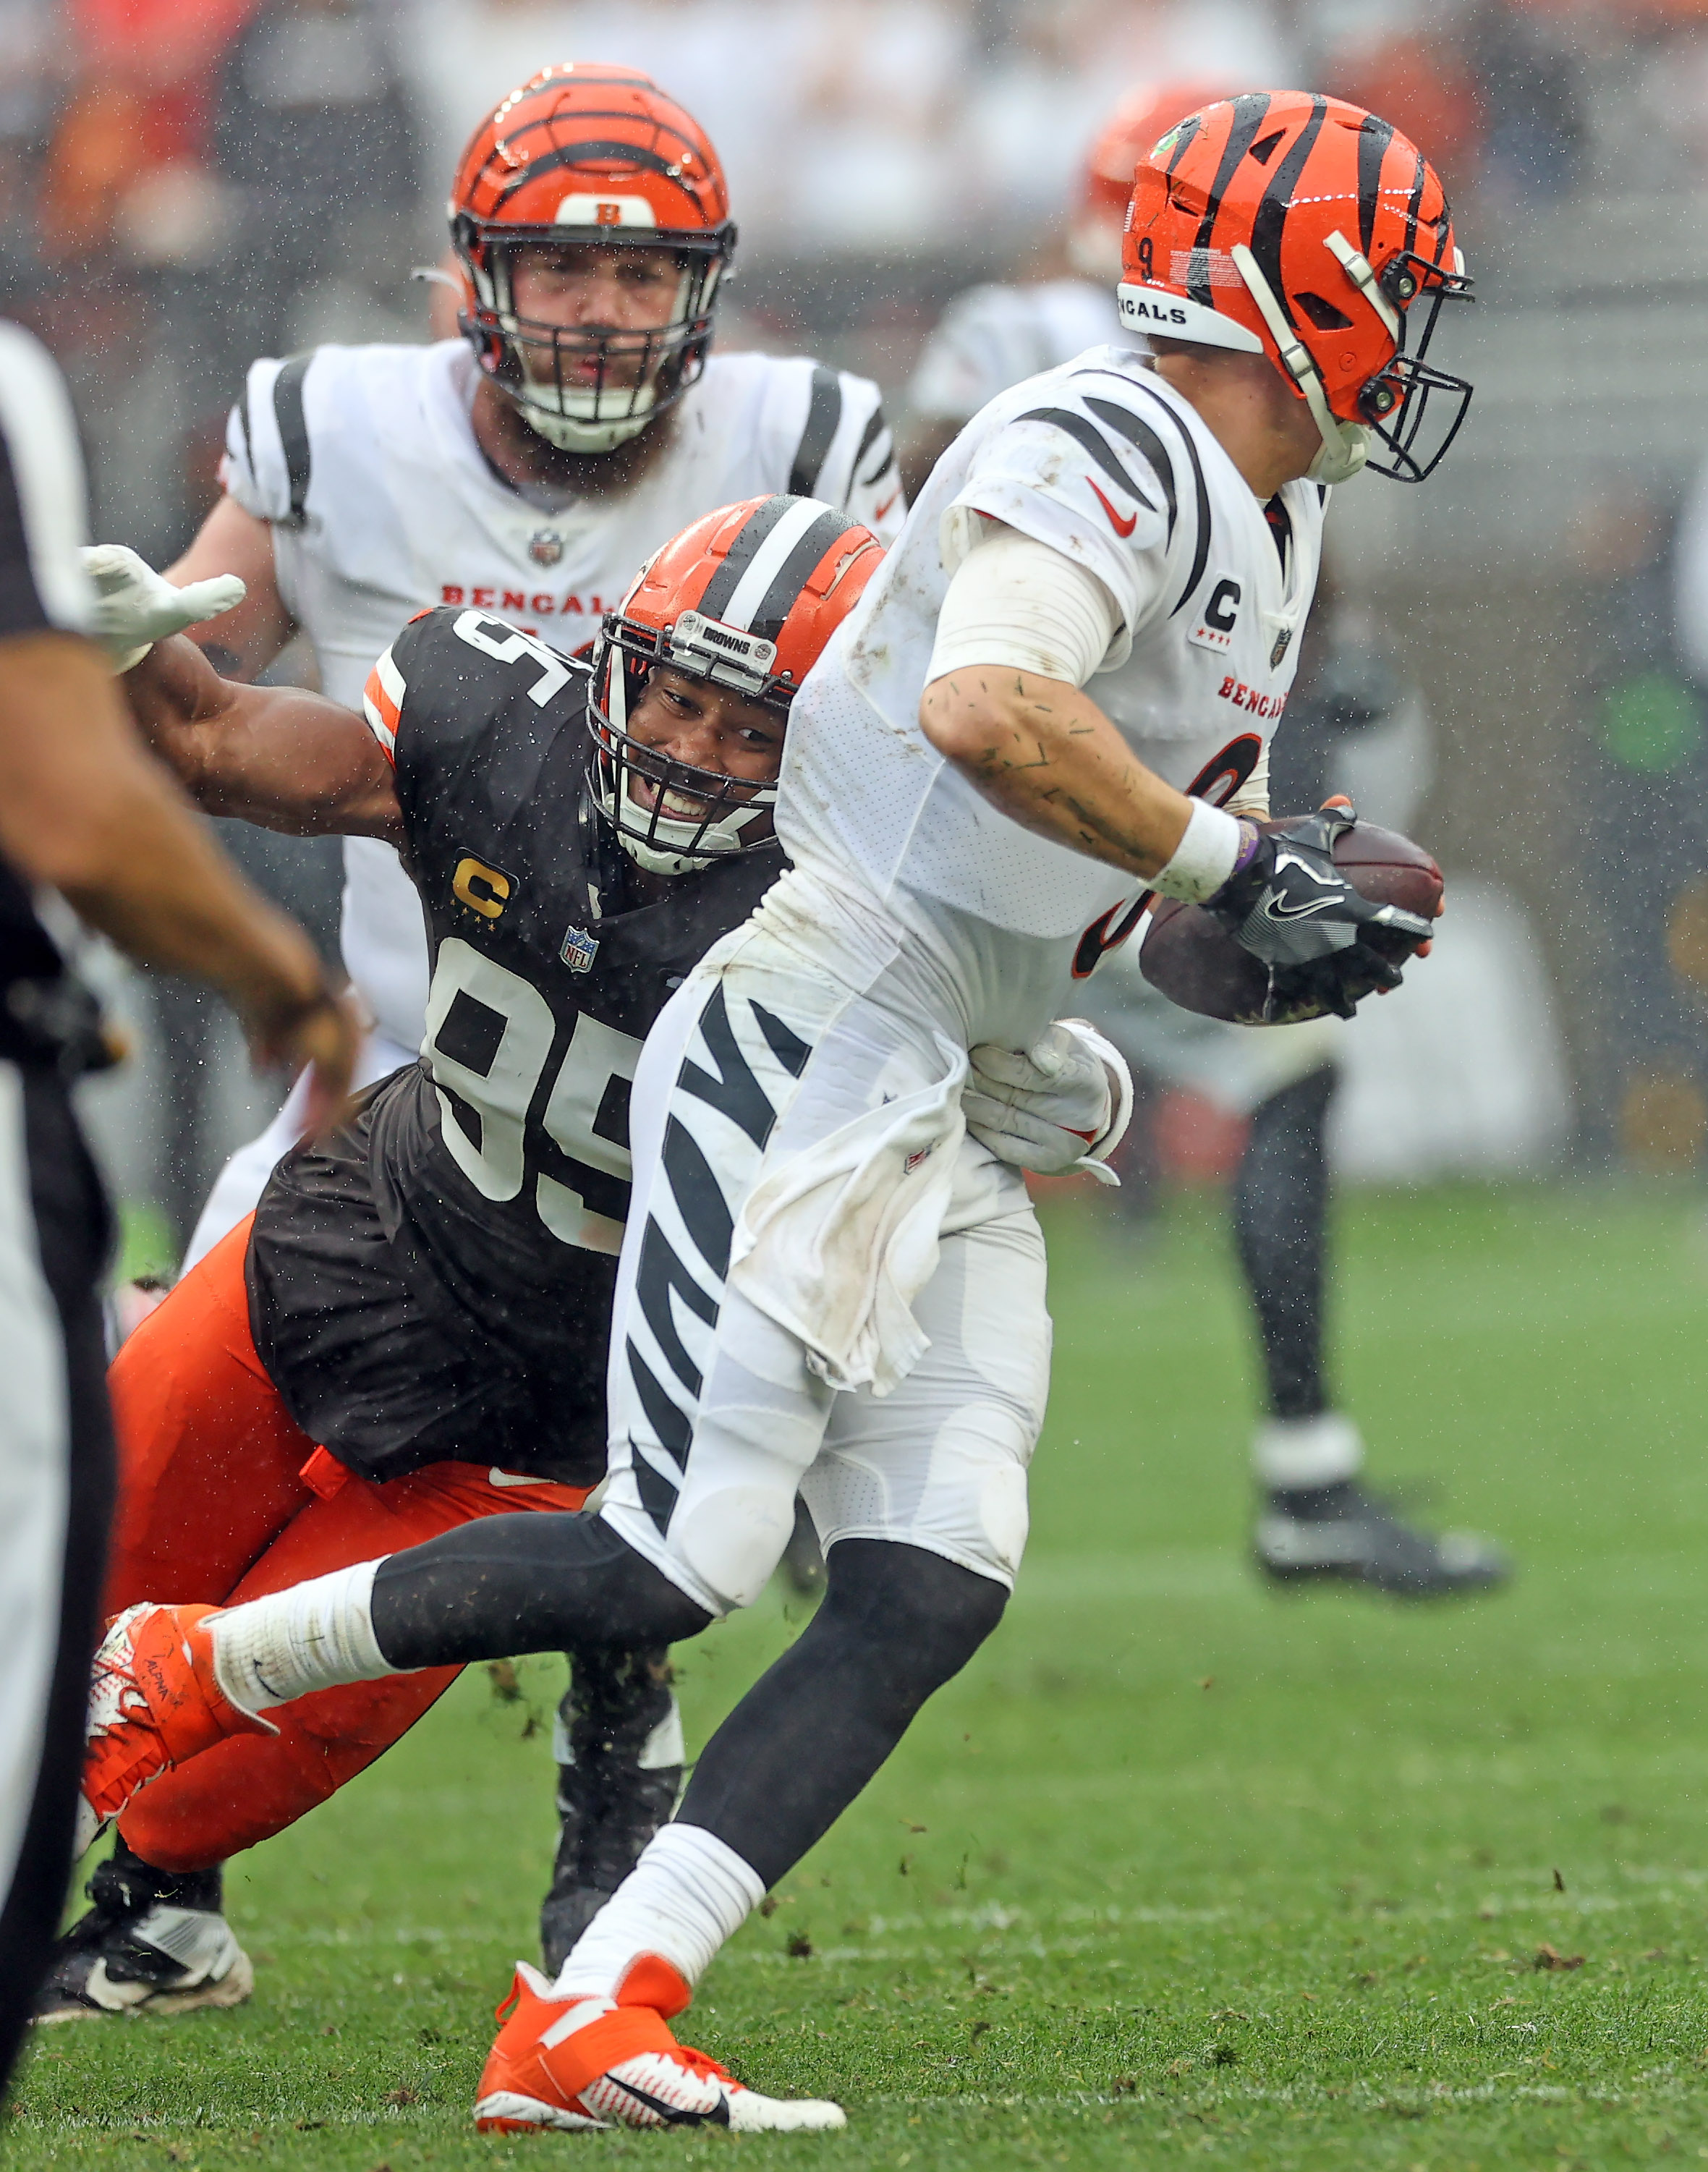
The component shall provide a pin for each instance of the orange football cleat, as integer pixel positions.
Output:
(153, 1703)
(572, 2064)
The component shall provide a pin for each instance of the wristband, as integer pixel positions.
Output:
(1206, 857)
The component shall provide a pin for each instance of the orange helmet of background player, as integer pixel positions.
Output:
(1147, 111)
(588, 153)
(1297, 226)
(744, 600)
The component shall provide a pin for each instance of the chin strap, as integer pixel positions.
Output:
(1345, 445)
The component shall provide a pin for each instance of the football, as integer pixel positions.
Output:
(1195, 963)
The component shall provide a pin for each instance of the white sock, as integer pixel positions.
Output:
(685, 1896)
(311, 1636)
(1301, 1452)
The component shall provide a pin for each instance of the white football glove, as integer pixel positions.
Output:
(135, 607)
(1062, 1105)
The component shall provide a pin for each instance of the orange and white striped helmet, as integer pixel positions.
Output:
(591, 154)
(1290, 224)
(744, 600)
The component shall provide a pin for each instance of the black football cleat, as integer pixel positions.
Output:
(617, 1743)
(154, 1941)
(1342, 1531)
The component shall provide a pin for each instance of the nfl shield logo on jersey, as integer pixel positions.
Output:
(579, 949)
(547, 547)
(1283, 642)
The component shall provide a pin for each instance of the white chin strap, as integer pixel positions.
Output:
(1345, 445)
(667, 851)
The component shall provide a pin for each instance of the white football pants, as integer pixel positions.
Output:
(717, 1417)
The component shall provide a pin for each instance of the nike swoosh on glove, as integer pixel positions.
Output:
(135, 606)
(1062, 1105)
(1291, 906)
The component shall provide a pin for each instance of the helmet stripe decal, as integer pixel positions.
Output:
(798, 568)
(770, 562)
(1249, 110)
(1185, 136)
(723, 584)
(1148, 443)
(1374, 137)
(1085, 433)
(823, 418)
(1271, 220)
(581, 155)
(1412, 208)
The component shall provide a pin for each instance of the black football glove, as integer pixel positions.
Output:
(1291, 906)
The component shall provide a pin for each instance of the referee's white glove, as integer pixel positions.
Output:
(1062, 1105)
(135, 607)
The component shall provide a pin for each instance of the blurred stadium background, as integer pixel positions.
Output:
(185, 184)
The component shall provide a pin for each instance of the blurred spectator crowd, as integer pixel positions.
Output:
(187, 184)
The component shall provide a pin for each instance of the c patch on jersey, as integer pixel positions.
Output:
(485, 890)
(579, 949)
(1214, 625)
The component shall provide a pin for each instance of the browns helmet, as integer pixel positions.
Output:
(1106, 181)
(745, 599)
(589, 154)
(1283, 223)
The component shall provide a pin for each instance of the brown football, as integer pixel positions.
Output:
(1193, 960)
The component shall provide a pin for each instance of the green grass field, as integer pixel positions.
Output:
(1179, 1868)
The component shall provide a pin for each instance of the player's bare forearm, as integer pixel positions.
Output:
(275, 756)
(243, 640)
(82, 808)
(1048, 756)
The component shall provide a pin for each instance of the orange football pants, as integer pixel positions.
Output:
(223, 1497)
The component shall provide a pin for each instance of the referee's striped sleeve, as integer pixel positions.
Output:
(43, 505)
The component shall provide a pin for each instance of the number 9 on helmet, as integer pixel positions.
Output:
(1297, 226)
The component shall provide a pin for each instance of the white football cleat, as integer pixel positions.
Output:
(580, 2063)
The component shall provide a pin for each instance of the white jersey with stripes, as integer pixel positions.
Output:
(1103, 461)
(364, 461)
(992, 337)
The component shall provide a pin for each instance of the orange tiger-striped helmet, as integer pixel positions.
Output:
(589, 154)
(744, 600)
(1106, 182)
(1283, 223)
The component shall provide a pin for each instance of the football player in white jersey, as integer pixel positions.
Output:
(526, 469)
(826, 1284)
(1316, 1519)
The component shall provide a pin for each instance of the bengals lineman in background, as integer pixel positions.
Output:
(526, 468)
(1317, 1519)
(83, 810)
(826, 1286)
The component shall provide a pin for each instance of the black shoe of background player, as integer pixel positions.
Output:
(617, 1743)
(155, 1942)
(803, 1564)
(1342, 1531)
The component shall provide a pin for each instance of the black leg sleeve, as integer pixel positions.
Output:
(507, 1584)
(1280, 1214)
(897, 1623)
